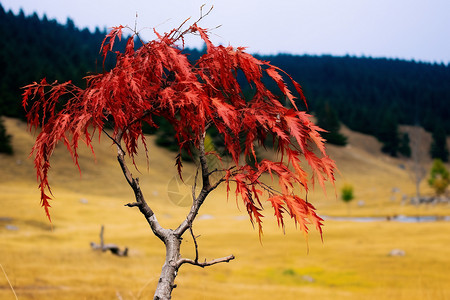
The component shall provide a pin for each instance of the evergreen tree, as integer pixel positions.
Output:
(5, 140)
(404, 149)
(388, 134)
(439, 148)
(327, 119)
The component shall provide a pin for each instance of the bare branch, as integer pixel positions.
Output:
(206, 189)
(203, 162)
(148, 213)
(195, 243)
(195, 185)
(205, 263)
(182, 33)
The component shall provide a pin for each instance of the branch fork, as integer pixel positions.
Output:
(172, 238)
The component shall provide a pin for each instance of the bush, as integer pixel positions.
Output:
(347, 193)
(439, 177)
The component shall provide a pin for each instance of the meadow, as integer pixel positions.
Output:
(43, 260)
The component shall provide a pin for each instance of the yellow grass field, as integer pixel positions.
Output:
(54, 261)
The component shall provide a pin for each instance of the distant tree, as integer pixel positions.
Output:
(439, 147)
(5, 140)
(404, 149)
(327, 119)
(347, 194)
(439, 177)
(388, 134)
(157, 79)
(416, 166)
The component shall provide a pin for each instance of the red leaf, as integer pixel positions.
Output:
(179, 165)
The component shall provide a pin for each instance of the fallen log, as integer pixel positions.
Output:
(108, 247)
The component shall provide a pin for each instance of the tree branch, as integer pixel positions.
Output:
(194, 187)
(148, 213)
(204, 162)
(206, 189)
(205, 263)
(178, 34)
(195, 243)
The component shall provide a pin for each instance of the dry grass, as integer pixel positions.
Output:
(42, 262)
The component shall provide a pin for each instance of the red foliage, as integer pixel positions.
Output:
(158, 80)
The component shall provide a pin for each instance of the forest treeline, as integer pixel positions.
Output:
(369, 95)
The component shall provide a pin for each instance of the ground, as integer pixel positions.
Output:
(44, 260)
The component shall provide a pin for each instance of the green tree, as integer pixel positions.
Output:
(439, 177)
(388, 134)
(327, 119)
(439, 148)
(347, 195)
(404, 149)
(5, 140)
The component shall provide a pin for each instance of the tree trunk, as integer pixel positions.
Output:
(170, 267)
(171, 238)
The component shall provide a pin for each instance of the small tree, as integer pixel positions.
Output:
(158, 80)
(439, 177)
(347, 194)
(417, 171)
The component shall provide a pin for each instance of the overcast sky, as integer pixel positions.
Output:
(406, 29)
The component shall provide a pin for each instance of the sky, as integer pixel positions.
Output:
(406, 29)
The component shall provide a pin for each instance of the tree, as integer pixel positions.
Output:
(439, 148)
(157, 80)
(388, 134)
(404, 149)
(347, 194)
(5, 140)
(327, 119)
(439, 177)
(417, 170)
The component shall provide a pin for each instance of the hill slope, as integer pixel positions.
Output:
(55, 261)
(360, 163)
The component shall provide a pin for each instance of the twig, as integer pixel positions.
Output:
(113, 140)
(195, 184)
(195, 243)
(181, 34)
(102, 243)
(205, 263)
(7, 279)
(135, 22)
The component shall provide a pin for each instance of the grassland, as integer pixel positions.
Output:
(54, 261)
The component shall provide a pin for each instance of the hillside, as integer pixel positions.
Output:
(54, 261)
(360, 163)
